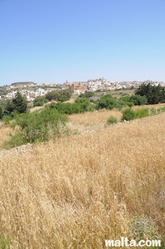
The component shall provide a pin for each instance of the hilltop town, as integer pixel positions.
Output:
(32, 90)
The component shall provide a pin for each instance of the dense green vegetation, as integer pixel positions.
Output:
(80, 105)
(16, 105)
(109, 102)
(39, 101)
(37, 127)
(87, 95)
(129, 114)
(59, 95)
(134, 100)
(154, 94)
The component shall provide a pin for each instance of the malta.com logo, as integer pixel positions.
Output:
(125, 242)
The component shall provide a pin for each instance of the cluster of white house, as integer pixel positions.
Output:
(30, 95)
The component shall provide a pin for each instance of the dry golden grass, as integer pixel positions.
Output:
(80, 190)
(93, 120)
(149, 106)
(98, 119)
(5, 131)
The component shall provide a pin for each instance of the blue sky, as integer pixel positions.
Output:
(59, 40)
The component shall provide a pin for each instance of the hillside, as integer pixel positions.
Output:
(79, 190)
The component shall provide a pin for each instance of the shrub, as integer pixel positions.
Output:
(162, 109)
(15, 140)
(86, 95)
(141, 113)
(6, 119)
(109, 102)
(59, 95)
(39, 101)
(126, 100)
(84, 105)
(112, 120)
(64, 108)
(144, 228)
(80, 105)
(138, 100)
(134, 100)
(38, 127)
(128, 114)
(4, 242)
(153, 111)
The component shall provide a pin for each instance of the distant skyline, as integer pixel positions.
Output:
(54, 41)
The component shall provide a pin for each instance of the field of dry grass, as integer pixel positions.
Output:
(92, 121)
(82, 189)
(5, 132)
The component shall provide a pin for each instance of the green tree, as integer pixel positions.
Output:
(86, 95)
(60, 95)
(134, 100)
(9, 108)
(39, 101)
(154, 94)
(19, 103)
(109, 102)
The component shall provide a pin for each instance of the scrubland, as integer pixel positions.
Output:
(77, 191)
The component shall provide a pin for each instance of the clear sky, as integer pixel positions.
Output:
(59, 40)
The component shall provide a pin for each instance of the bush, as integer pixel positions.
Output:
(112, 120)
(39, 101)
(38, 127)
(15, 140)
(162, 109)
(64, 108)
(138, 100)
(59, 95)
(4, 242)
(144, 228)
(80, 105)
(141, 113)
(84, 105)
(134, 100)
(128, 114)
(86, 95)
(109, 102)
(6, 119)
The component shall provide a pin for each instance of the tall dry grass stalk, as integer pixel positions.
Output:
(91, 121)
(5, 132)
(80, 190)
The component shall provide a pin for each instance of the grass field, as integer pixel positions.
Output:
(5, 132)
(79, 190)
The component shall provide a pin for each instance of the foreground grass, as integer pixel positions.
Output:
(80, 190)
